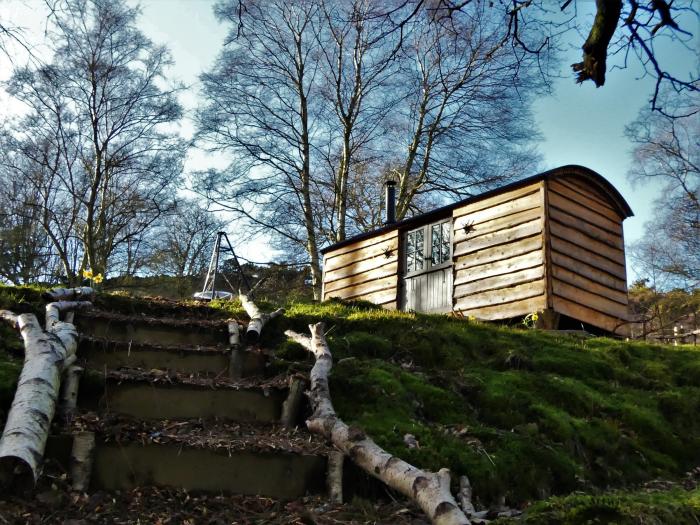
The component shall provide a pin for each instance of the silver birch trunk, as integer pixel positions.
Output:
(48, 352)
(69, 294)
(258, 318)
(335, 476)
(81, 460)
(235, 365)
(430, 490)
(291, 405)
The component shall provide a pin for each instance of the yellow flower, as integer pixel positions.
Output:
(87, 274)
(535, 317)
(98, 278)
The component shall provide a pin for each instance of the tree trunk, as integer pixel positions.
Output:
(81, 460)
(69, 392)
(291, 405)
(235, 365)
(258, 318)
(430, 490)
(335, 476)
(48, 352)
(69, 294)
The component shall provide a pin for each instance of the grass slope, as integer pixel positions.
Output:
(525, 414)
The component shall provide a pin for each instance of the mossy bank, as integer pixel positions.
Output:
(568, 427)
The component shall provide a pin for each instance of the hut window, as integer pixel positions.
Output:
(440, 243)
(414, 251)
(428, 247)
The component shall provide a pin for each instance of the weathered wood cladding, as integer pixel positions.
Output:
(498, 255)
(554, 241)
(367, 269)
(587, 259)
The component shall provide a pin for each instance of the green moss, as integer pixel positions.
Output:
(10, 368)
(523, 413)
(22, 299)
(642, 507)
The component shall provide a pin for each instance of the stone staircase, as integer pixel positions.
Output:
(165, 411)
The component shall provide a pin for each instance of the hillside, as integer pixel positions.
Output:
(572, 428)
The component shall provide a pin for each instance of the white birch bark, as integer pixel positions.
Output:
(235, 365)
(258, 318)
(334, 481)
(291, 405)
(69, 391)
(69, 294)
(81, 458)
(47, 354)
(430, 490)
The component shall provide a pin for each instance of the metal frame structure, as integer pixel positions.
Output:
(209, 289)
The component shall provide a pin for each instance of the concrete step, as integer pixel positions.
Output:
(98, 324)
(205, 456)
(102, 354)
(155, 394)
(276, 474)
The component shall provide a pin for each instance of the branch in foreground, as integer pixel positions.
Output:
(69, 294)
(430, 490)
(48, 352)
(258, 318)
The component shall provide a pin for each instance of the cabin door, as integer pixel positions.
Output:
(427, 268)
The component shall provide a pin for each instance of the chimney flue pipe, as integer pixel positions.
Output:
(390, 201)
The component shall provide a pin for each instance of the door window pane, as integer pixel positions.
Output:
(435, 237)
(414, 251)
(446, 244)
(419, 249)
(440, 243)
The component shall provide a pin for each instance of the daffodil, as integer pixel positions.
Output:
(97, 279)
(535, 317)
(87, 274)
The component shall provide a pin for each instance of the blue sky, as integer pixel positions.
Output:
(580, 124)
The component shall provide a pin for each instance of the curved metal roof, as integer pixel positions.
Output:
(593, 178)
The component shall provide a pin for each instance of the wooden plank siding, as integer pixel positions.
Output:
(587, 259)
(554, 242)
(498, 259)
(367, 270)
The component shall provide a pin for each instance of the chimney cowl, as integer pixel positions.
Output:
(390, 201)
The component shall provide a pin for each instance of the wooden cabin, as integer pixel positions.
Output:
(551, 244)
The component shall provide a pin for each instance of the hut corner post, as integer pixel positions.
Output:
(49, 352)
(430, 490)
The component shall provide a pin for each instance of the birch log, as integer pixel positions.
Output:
(235, 366)
(81, 458)
(69, 294)
(258, 318)
(430, 490)
(47, 354)
(292, 405)
(69, 391)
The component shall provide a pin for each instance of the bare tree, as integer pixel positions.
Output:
(312, 98)
(628, 29)
(358, 67)
(260, 107)
(466, 121)
(25, 250)
(183, 243)
(667, 154)
(99, 114)
(34, 169)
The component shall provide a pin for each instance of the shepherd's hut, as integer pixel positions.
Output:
(551, 244)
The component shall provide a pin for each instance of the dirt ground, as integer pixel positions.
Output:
(52, 502)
